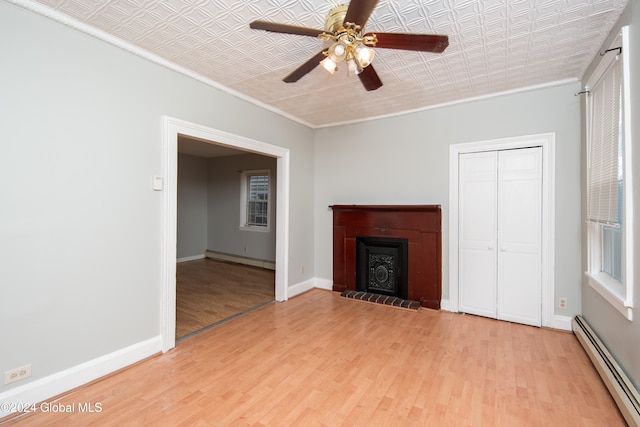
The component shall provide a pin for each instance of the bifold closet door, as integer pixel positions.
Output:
(520, 235)
(500, 227)
(477, 230)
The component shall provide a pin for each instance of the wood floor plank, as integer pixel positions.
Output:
(208, 291)
(319, 359)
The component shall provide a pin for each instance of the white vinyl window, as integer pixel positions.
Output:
(609, 207)
(255, 195)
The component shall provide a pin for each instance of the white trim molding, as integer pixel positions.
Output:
(172, 128)
(190, 258)
(53, 385)
(307, 285)
(557, 321)
(547, 142)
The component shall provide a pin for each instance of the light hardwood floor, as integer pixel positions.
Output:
(323, 360)
(208, 291)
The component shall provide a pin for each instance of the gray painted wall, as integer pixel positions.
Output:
(192, 206)
(209, 207)
(621, 336)
(224, 234)
(80, 226)
(405, 160)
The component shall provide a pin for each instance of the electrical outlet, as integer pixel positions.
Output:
(17, 374)
(562, 303)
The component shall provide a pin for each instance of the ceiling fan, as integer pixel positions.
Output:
(344, 28)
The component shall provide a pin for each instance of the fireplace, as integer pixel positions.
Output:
(381, 265)
(418, 225)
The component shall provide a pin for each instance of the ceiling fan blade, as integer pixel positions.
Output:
(284, 28)
(369, 78)
(359, 11)
(420, 42)
(305, 68)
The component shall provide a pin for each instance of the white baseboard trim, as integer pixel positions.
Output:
(325, 284)
(300, 288)
(53, 385)
(190, 258)
(557, 322)
(560, 322)
(307, 285)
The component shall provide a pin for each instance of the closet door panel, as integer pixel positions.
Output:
(519, 236)
(477, 232)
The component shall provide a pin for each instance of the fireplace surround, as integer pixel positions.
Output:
(419, 225)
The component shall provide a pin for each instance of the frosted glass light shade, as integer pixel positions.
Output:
(353, 66)
(328, 64)
(364, 55)
(337, 52)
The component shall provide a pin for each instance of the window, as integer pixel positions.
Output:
(255, 195)
(609, 207)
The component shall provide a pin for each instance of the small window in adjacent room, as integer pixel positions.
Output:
(255, 194)
(609, 206)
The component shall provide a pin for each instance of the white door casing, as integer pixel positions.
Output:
(547, 220)
(173, 127)
(499, 228)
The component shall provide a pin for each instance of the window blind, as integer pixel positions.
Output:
(604, 146)
(258, 200)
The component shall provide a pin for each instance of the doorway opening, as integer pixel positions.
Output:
(223, 268)
(173, 130)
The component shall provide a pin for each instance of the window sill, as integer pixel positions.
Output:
(612, 291)
(258, 229)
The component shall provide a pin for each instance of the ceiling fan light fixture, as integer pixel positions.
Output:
(348, 42)
(329, 65)
(364, 55)
(353, 67)
(337, 52)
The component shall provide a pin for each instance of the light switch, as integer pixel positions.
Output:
(157, 183)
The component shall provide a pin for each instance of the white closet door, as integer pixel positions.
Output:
(519, 236)
(500, 228)
(477, 231)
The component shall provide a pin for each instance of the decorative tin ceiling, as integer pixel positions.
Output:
(494, 46)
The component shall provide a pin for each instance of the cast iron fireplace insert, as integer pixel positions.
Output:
(381, 265)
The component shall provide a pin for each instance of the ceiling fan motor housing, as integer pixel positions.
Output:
(335, 18)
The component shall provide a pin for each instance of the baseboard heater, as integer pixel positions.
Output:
(623, 391)
(240, 260)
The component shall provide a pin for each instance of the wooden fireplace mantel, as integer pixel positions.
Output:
(421, 225)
